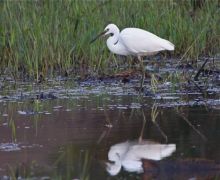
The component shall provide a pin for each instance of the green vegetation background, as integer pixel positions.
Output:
(41, 37)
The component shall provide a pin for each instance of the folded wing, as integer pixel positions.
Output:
(139, 41)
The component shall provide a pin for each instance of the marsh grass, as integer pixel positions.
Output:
(43, 37)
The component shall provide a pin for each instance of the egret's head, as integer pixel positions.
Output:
(113, 168)
(110, 29)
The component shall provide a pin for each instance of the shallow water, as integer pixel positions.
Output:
(63, 131)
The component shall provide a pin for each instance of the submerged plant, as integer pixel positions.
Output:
(13, 129)
(154, 113)
(154, 83)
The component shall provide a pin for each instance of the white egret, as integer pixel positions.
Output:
(129, 155)
(134, 41)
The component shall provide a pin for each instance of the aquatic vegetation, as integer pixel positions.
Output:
(13, 129)
(44, 37)
(73, 162)
(154, 83)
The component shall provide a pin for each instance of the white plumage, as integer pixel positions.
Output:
(129, 155)
(135, 41)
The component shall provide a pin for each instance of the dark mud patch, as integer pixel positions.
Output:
(165, 94)
(169, 83)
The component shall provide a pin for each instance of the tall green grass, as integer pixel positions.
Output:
(43, 37)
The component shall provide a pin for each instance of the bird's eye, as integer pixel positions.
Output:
(111, 34)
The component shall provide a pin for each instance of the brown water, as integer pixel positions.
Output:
(70, 136)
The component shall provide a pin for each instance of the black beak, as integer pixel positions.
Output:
(100, 34)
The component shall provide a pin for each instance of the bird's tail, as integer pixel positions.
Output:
(168, 150)
(167, 45)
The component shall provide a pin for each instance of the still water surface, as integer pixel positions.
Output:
(69, 137)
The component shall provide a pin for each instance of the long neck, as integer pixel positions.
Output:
(112, 40)
(114, 168)
(115, 46)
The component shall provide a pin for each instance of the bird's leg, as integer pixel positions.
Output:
(143, 71)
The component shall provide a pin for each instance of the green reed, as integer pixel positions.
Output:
(43, 37)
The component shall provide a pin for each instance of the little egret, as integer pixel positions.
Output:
(129, 155)
(134, 41)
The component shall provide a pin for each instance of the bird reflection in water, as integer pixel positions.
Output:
(129, 155)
